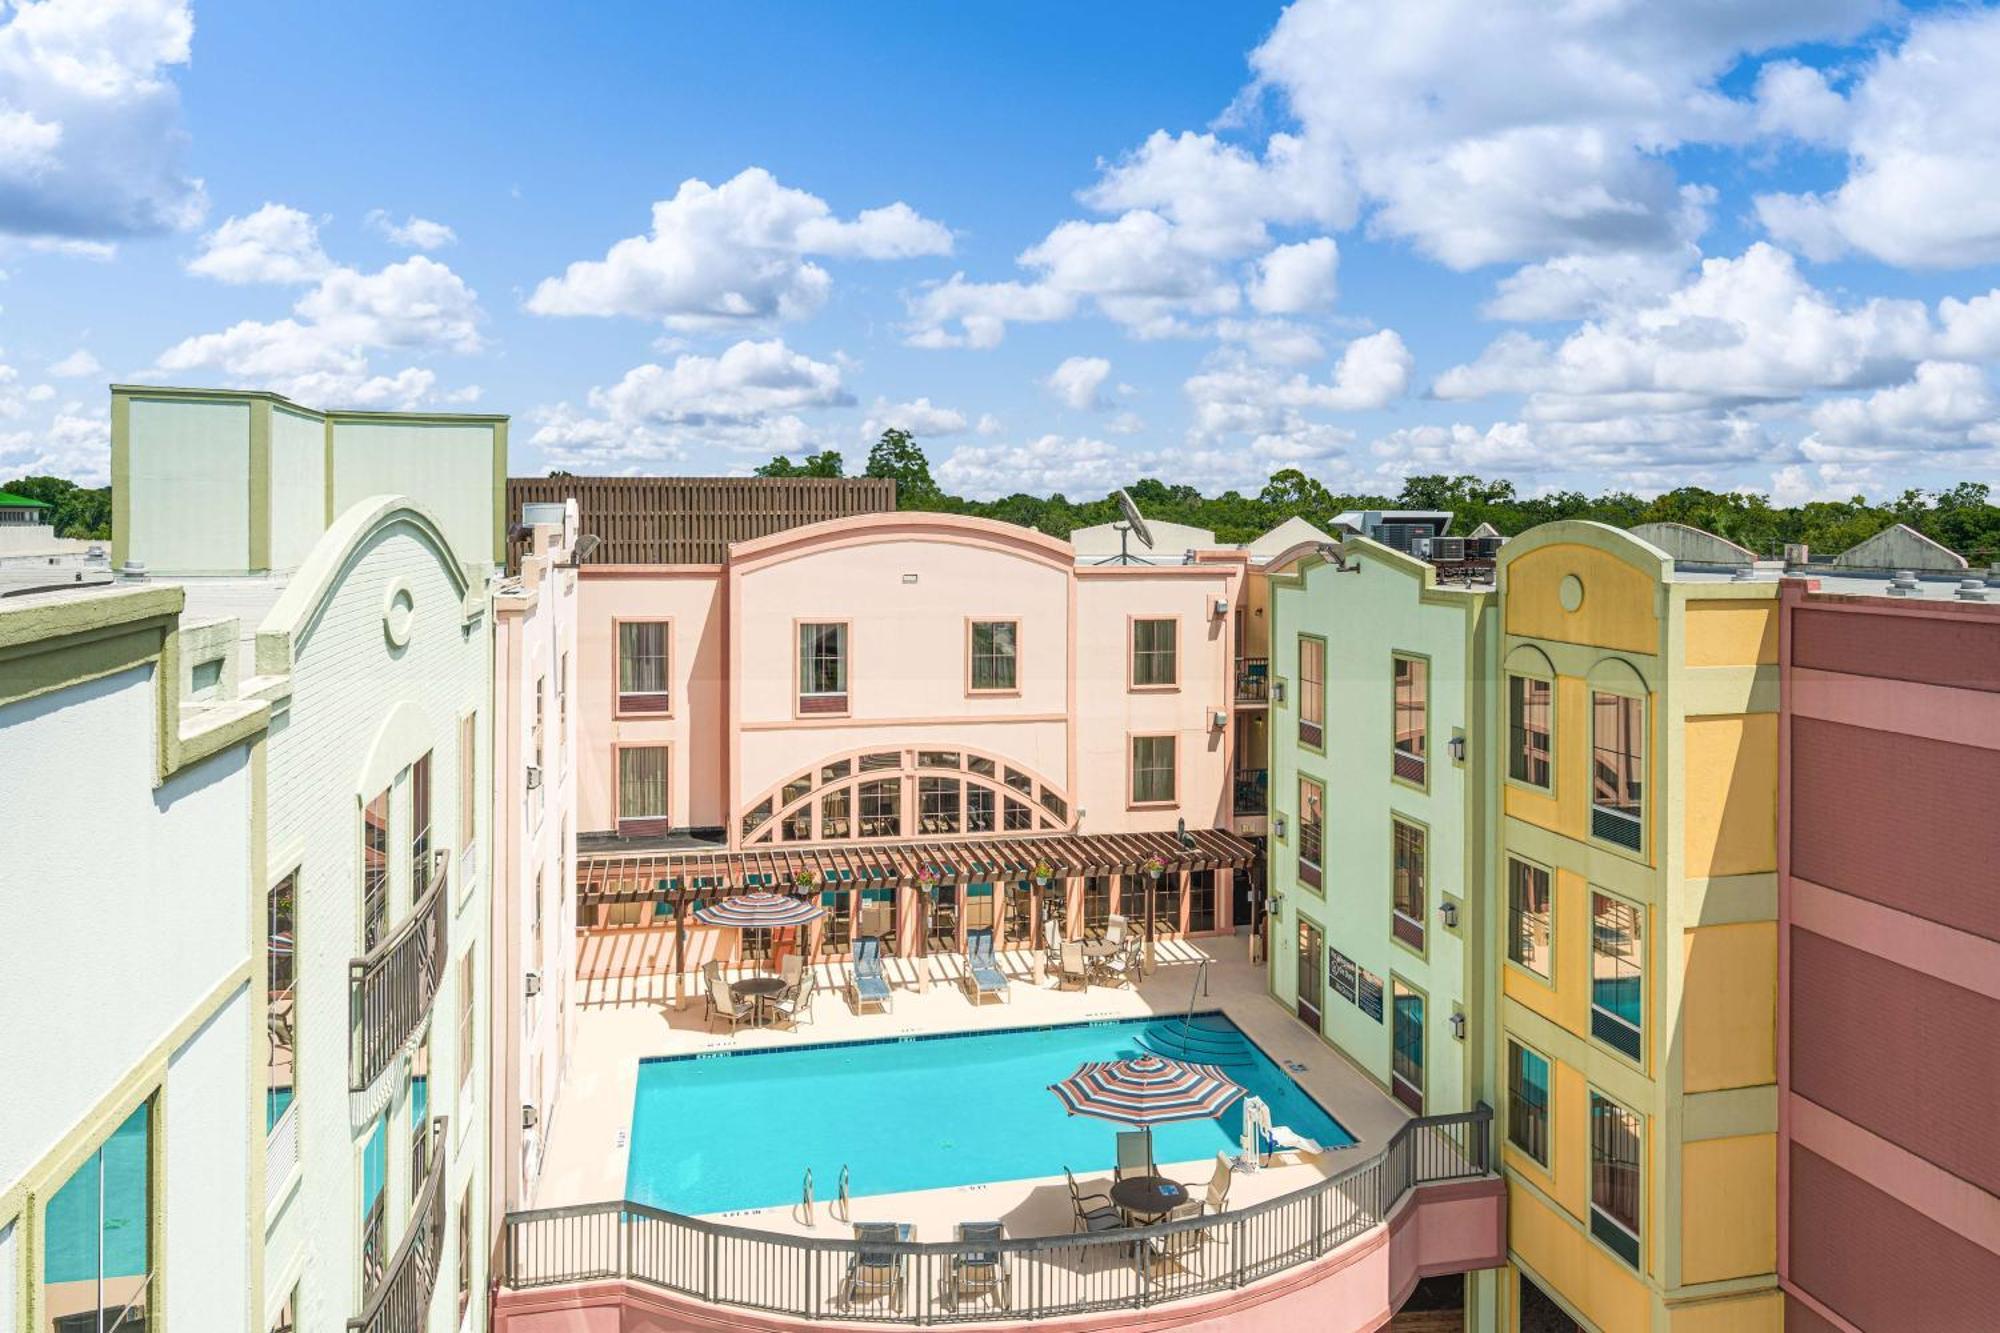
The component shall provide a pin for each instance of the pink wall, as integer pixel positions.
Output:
(1437, 1229)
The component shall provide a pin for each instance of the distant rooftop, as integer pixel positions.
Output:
(692, 520)
(9, 500)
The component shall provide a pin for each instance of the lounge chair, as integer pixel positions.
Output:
(981, 1270)
(1135, 1154)
(796, 1003)
(723, 1001)
(983, 976)
(1072, 967)
(866, 984)
(1093, 1211)
(873, 1274)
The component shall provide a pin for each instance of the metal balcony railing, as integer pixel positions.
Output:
(400, 1302)
(1253, 791)
(390, 990)
(827, 1280)
(1253, 680)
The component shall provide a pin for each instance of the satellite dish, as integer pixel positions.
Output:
(1134, 521)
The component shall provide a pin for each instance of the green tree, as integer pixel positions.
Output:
(77, 511)
(897, 456)
(824, 464)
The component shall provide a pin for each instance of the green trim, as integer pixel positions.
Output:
(121, 478)
(500, 491)
(260, 486)
(268, 396)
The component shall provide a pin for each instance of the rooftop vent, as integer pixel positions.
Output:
(1972, 590)
(1905, 584)
(1743, 574)
(135, 570)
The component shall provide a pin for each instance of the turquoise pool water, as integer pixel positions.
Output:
(717, 1133)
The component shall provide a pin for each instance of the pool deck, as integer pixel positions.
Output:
(621, 1021)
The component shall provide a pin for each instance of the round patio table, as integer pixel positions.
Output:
(1148, 1197)
(1101, 949)
(761, 989)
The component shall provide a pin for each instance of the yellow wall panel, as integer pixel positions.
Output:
(1729, 1006)
(1570, 1152)
(1565, 1002)
(1607, 1293)
(1732, 632)
(1730, 809)
(1572, 756)
(1617, 610)
(1729, 1209)
(1754, 1312)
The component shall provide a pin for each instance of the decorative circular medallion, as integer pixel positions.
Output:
(399, 613)
(1570, 591)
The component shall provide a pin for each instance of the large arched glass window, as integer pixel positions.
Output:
(913, 793)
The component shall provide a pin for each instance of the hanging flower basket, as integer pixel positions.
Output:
(1043, 873)
(806, 881)
(928, 878)
(1154, 866)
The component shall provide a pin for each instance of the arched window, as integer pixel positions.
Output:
(905, 793)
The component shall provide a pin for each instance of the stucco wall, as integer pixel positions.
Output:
(361, 710)
(298, 485)
(208, 1172)
(188, 458)
(121, 928)
(449, 466)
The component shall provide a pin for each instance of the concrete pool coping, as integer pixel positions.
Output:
(620, 1020)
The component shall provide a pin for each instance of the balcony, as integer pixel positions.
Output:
(401, 1299)
(390, 990)
(1253, 680)
(1253, 791)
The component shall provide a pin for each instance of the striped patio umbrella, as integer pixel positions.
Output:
(760, 910)
(1147, 1090)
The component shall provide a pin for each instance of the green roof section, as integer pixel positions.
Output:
(9, 500)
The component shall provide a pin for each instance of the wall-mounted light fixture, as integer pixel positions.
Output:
(909, 578)
(1217, 719)
(1458, 1026)
(1277, 689)
(1221, 607)
(532, 984)
(1449, 911)
(534, 776)
(1457, 744)
(530, 1117)
(1278, 825)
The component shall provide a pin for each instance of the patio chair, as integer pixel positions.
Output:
(1093, 1211)
(723, 1001)
(1072, 967)
(1114, 929)
(879, 921)
(866, 984)
(875, 1274)
(791, 967)
(983, 976)
(1176, 1248)
(980, 1271)
(1217, 1199)
(1118, 968)
(1135, 1154)
(796, 1003)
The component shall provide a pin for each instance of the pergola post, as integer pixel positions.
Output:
(1152, 896)
(680, 948)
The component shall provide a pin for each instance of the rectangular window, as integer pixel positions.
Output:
(1528, 917)
(1097, 904)
(374, 1215)
(1312, 691)
(642, 789)
(1201, 900)
(823, 668)
(98, 1260)
(1410, 889)
(978, 808)
(1312, 828)
(420, 1113)
(1155, 652)
(374, 872)
(1411, 747)
(468, 784)
(1617, 763)
(1153, 769)
(1406, 1046)
(1528, 1102)
(836, 814)
(281, 982)
(882, 809)
(464, 1251)
(287, 1318)
(1529, 702)
(1617, 975)
(467, 1008)
(1019, 817)
(993, 655)
(642, 667)
(938, 805)
(1614, 1177)
(420, 827)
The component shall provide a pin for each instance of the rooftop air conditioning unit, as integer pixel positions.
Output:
(1447, 548)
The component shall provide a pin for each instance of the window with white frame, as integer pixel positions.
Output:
(823, 668)
(642, 667)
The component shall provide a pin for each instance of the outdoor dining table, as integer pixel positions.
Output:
(761, 989)
(1101, 948)
(1148, 1197)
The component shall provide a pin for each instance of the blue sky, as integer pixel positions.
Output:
(1595, 245)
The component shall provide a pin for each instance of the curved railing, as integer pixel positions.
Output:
(401, 1299)
(925, 1282)
(390, 990)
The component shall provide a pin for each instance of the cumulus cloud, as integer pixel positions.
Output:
(274, 244)
(1258, 401)
(733, 254)
(1937, 408)
(412, 233)
(1922, 136)
(1294, 279)
(78, 365)
(1079, 382)
(920, 417)
(91, 145)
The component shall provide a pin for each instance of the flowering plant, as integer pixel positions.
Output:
(806, 879)
(928, 877)
(1043, 872)
(1154, 866)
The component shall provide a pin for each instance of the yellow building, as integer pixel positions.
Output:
(1636, 892)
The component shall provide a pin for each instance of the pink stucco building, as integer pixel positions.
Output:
(902, 676)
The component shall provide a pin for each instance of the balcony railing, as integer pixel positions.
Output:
(1615, 826)
(810, 1278)
(390, 990)
(401, 1301)
(1253, 680)
(1407, 766)
(1253, 791)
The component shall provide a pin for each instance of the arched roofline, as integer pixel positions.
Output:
(1635, 551)
(991, 534)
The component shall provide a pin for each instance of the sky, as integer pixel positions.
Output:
(1590, 244)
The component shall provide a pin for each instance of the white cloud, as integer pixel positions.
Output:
(982, 311)
(1044, 465)
(1923, 148)
(1220, 197)
(412, 233)
(91, 145)
(1079, 382)
(1242, 398)
(920, 417)
(1295, 279)
(732, 254)
(1797, 101)
(276, 243)
(78, 365)
(1577, 286)
(1125, 423)
(1935, 409)
(76, 442)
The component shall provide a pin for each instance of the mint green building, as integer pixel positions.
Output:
(1380, 818)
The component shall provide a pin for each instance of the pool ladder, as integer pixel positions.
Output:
(841, 1210)
(806, 1199)
(846, 1213)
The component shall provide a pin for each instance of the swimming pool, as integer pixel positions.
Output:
(716, 1133)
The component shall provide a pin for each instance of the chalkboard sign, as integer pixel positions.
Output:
(1340, 974)
(1368, 994)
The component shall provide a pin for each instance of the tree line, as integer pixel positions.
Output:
(74, 511)
(1962, 517)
